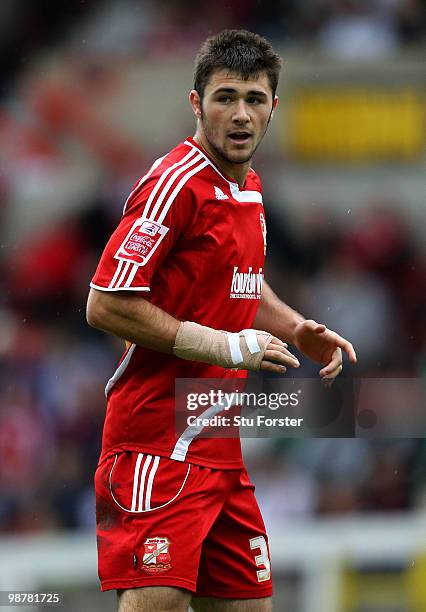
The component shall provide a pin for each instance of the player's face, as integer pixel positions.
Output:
(234, 115)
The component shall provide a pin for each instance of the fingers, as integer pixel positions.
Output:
(267, 366)
(346, 346)
(279, 353)
(277, 358)
(349, 349)
(334, 367)
(331, 373)
(328, 380)
(281, 348)
(334, 338)
(281, 357)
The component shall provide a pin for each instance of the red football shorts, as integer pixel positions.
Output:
(161, 522)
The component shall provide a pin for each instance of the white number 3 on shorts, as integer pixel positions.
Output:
(262, 559)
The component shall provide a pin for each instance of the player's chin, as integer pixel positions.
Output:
(239, 157)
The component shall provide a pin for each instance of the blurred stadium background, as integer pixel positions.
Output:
(90, 93)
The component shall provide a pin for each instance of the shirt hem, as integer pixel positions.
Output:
(100, 288)
(190, 458)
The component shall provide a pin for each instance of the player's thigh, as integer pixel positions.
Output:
(235, 561)
(147, 599)
(213, 604)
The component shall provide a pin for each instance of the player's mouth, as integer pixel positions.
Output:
(239, 137)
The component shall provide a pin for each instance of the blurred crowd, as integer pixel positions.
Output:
(346, 29)
(366, 280)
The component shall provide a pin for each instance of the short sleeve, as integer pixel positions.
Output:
(148, 230)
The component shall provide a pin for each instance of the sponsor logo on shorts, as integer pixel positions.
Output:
(246, 285)
(141, 242)
(156, 558)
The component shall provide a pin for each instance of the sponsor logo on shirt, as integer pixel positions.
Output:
(246, 285)
(219, 194)
(141, 242)
(156, 558)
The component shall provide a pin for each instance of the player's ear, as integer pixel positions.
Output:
(195, 101)
(274, 106)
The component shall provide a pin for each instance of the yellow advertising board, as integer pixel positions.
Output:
(357, 124)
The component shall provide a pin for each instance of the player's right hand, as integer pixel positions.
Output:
(277, 357)
(249, 349)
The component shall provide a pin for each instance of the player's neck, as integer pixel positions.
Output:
(237, 172)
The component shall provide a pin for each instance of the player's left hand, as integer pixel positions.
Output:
(324, 346)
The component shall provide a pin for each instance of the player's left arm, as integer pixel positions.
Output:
(313, 339)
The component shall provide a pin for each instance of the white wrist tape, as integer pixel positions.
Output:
(243, 350)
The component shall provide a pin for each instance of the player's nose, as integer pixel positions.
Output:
(241, 114)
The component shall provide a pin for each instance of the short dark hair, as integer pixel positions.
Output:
(245, 53)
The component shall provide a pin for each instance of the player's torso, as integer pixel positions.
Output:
(213, 275)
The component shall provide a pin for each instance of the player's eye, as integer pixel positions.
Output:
(253, 100)
(224, 99)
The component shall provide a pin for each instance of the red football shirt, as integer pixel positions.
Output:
(193, 244)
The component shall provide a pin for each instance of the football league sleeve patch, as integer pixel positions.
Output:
(138, 247)
(131, 256)
(141, 242)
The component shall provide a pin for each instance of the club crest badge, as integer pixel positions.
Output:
(156, 558)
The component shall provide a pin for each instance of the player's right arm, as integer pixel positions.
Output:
(129, 316)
